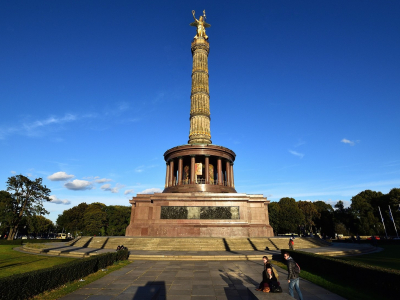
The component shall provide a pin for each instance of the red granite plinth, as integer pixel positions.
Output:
(146, 219)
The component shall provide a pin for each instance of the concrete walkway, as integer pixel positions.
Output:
(194, 280)
(180, 275)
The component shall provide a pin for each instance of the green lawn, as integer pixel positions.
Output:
(330, 283)
(388, 258)
(14, 262)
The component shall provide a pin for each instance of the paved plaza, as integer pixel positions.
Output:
(191, 280)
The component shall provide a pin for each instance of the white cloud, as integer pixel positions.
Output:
(151, 191)
(351, 143)
(142, 168)
(13, 172)
(128, 192)
(301, 155)
(60, 176)
(55, 200)
(103, 180)
(78, 185)
(107, 187)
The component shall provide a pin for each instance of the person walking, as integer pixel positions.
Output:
(293, 275)
(291, 244)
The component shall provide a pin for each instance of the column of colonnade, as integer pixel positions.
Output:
(175, 177)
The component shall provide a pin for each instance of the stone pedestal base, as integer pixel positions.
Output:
(199, 215)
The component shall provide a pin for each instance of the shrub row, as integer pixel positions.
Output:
(27, 285)
(33, 241)
(349, 273)
(12, 242)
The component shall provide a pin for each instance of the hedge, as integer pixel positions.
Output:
(12, 242)
(349, 273)
(29, 284)
(33, 241)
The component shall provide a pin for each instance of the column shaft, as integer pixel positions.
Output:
(180, 169)
(233, 177)
(171, 173)
(207, 162)
(219, 170)
(192, 174)
(228, 173)
(167, 176)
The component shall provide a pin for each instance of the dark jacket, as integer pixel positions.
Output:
(274, 272)
(291, 266)
(268, 280)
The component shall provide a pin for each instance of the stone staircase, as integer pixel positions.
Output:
(195, 244)
(299, 243)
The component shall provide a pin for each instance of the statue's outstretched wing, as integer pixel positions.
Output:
(206, 25)
(193, 24)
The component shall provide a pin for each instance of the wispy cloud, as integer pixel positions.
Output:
(299, 143)
(60, 176)
(151, 191)
(102, 180)
(79, 185)
(295, 153)
(107, 187)
(36, 128)
(55, 200)
(128, 192)
(142, 168)
(13, 172)
(351, 143)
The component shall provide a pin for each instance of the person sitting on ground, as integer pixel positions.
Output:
(267, 264)
(271, 281)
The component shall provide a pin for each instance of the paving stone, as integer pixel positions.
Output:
(180, 292)
(74, 296)
(100, 297)
(87, 291)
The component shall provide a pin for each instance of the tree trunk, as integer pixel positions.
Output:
(11, 234)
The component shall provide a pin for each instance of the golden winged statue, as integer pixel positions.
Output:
(201, 25)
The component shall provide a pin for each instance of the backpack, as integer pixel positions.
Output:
(297, 269)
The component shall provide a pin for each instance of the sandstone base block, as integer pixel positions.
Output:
(199, 215)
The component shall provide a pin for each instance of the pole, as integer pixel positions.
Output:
(382, 221)
(391, 216)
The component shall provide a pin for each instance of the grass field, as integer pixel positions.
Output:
(14, 262)
(331, 284)
(388, 258)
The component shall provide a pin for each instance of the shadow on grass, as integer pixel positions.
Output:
(21, 263)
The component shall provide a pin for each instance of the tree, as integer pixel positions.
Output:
(27, 198)
(364, 207)
(72, 220)
(6, 216)
(39, 225)
(325, 221)
(117, 219)
(274, 213)
(290, 215)
(310, 213)
(95, 218)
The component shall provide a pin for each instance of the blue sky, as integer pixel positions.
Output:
(305, 92)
